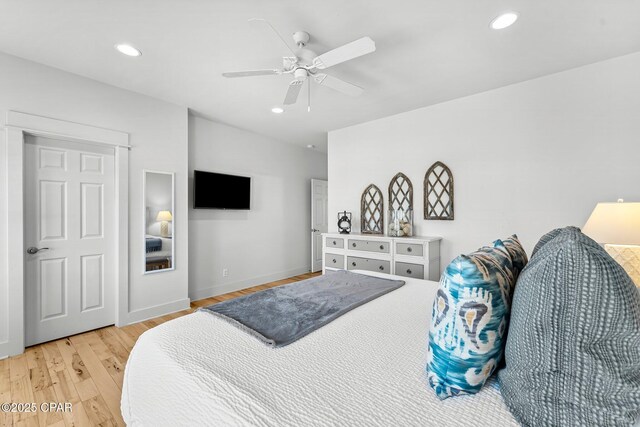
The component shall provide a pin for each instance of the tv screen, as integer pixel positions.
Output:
(219, 191)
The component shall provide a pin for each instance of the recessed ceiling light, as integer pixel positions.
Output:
(505, 20)
(277, 110)
(127, 49)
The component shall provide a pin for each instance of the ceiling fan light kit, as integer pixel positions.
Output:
(301, 74)
(305, 63)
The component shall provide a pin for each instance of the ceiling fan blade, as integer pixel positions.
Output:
(252, 73)
(344, 53)
(275, 32)
(292, 93)
(339, 85)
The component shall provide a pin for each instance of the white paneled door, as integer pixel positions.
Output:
(319, 221)
(69, 238)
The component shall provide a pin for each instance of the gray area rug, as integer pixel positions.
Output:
(284, 314)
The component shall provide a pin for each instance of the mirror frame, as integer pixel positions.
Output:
(144, 221)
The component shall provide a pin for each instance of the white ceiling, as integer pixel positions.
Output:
(428, 51)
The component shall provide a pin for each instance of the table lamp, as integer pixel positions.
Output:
(617, 226)
(164, 217)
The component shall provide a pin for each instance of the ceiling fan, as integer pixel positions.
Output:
(305, 65)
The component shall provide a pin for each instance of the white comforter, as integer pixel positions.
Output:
(367, 368)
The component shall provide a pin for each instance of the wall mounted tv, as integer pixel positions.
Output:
(219, 191)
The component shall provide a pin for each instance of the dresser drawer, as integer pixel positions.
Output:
(369, 246)
(414, 249)
(333, 242)
(334, 261)
(357, 263)
(410, 270)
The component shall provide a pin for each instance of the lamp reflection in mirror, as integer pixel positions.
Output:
(617, 227)
(164, 217)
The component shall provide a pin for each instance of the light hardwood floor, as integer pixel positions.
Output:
(86, 370)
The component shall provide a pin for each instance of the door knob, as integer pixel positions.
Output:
(33, 250)
(313, 230)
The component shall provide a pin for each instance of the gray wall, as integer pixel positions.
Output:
(272, 240)
(525, 158)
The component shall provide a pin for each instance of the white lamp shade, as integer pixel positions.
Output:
(614, 223)
(164, 216)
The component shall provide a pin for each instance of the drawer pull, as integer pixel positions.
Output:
(353, 264)
(408, 271)
(334, 261)
(381, 268)
(381, 247)
(353, 244)
(335, 243)
(409, 249)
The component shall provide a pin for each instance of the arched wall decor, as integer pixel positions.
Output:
(438, 192)
(401, 194)
(372, 211)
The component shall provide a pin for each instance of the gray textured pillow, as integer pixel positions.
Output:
(573, 349)
(547, 238)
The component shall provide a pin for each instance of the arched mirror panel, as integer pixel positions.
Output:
(372, 211)
(438, 192)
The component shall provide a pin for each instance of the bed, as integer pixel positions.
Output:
(366, 368)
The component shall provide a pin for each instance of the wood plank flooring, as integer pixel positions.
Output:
(85, 370)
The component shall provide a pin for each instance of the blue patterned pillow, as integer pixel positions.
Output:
(518, 254)
(469, 321)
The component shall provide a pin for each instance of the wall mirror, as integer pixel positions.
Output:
(372, 211)
(401, 194)
(438, 193)
(159, 239)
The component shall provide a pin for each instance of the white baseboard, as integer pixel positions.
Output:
(7, 350)
(198, 294)
(157, 311)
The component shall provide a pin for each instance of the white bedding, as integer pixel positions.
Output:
(367, 368)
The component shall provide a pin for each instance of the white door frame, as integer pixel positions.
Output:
(18, 126)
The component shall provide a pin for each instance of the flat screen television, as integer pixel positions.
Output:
(219, 191)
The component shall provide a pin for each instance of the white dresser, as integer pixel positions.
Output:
(417, 257)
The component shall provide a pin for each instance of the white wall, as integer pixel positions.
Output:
(525, 158)
(158, 134)
(272, 240)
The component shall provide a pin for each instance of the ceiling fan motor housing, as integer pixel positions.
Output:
(305, 57)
